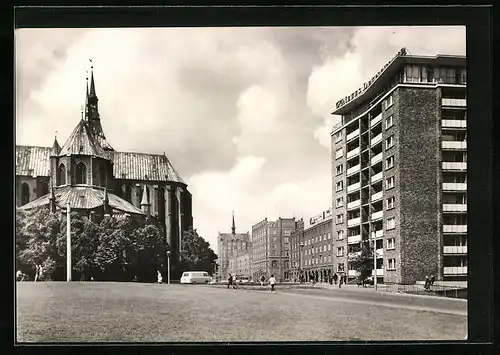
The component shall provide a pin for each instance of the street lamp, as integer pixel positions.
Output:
(321, 263)
(168, 267)
(374, 260)
(301, 246)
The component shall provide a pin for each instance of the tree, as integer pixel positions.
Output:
(363, 263)
(196, 253)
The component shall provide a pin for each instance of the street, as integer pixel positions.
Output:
(133, 312)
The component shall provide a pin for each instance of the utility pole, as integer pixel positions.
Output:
(68, 243)
(280, 226)
(374, 259)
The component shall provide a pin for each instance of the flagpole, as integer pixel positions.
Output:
(68, 243)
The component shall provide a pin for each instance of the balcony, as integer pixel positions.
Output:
(454, 145)
(353, 187)
(377, 196)
(354, 239)
(380, 272)
(448, 165)
(454, 207)
(454, 186)
(376, 120)
(352, 135)
(353, 170)
(454, 102)
(353, 255)
(455, 228)
(353, 273)
(374, 160)
(352, 153)
(376, 177)
(353, 204)
(376, 139)
(379, 233)
(455, 250)
(455, 270)
(454, 123)
(377, 215)
(353, 221)
(380, 252)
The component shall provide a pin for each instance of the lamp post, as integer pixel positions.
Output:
(168, 267)
(301, 246)
(374, 261)
(68, 243)
(320, 279)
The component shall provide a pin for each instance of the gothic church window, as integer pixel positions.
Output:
(44, 189)
(25, 193)
(81, 173)
(62, 174)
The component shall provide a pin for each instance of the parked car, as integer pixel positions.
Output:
(195, 277)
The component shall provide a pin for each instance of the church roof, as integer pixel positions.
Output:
(82, 142)
(34, 161)
(83, 198)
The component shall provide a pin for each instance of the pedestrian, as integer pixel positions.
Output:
(335, 278)
(433, 278)
(272, 282)
(340, 281)
(36, 272)
(40, 272)
(262, 279)
(20, 276)
(160, 278)
(427, 283)
(229, 281)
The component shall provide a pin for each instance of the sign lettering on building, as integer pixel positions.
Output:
(327, 214)
(367, 84)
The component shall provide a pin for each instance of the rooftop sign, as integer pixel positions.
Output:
(367, 84)
(321, 217)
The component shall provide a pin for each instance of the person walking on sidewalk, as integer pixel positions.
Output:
(335, 278)
(262, 279)
(272, 282)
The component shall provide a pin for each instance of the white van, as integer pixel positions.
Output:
(195, 277)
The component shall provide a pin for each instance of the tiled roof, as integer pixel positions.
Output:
(83, 197)
(140, 166)
(126, 166)
(82, 142)
(32, 161)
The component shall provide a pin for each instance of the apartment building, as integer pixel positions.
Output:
(311, 249)
(271, 248)
(399, 170)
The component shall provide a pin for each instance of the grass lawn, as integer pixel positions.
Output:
(133, 312)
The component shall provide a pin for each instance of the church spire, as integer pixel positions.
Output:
(56, 148)
(92, 85)
(233, 228)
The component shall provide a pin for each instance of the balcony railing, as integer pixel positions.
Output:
(376, 177)
(455, 228)
(352, 153)
(448, 165)
(374, 160)
(455, 270)
(353, 170)
(377, 196)
(455, 250)
(353, 187)
(353, 221)
(454, 123)
(353, 204)
(454, 145)
(377, 215)
(352, 135)
(380, 252)
(376, 120)
(454, 102)
(454, 207)
(454, 186)
(354, 239)
(376, 139)
(379, 233)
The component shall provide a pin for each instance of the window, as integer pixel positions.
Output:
(340, 267)
(340, 169)
(339, 153)
(340, 251)
(25, 193)
(339, 186)
(329, 247)
(389, 162)
(81, 173)
(389, 142)
(340, 202)
(388, 102)
(329, 258)
(389, 122)
(62, 174)
(340, 235)
(324, 247)
(389, 183)
(329, 235)
(338, 137)
(390, 244)
(391, 264)
(340, 218)
(390, 203)
(391, 223)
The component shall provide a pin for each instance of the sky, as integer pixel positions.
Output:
(244, 114)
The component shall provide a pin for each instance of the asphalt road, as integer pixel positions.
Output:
(133, 312)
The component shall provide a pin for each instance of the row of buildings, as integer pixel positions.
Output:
(399, 183)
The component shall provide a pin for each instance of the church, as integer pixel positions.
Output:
(95, 179)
